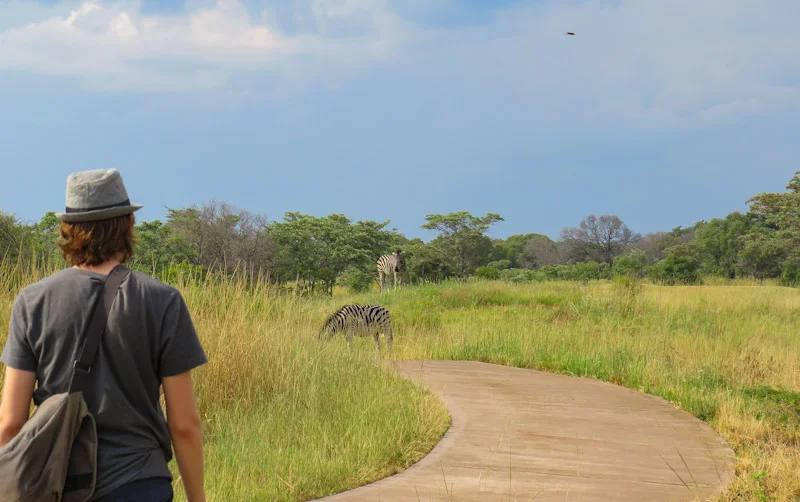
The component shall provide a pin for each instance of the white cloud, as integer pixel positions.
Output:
(666, 63)
(118, 44)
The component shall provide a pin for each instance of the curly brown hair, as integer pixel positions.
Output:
(93, 242)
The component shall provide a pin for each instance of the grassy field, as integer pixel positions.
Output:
(285, 416)
(728, 354)
(289, 418)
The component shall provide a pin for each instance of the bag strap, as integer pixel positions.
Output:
(97, 325)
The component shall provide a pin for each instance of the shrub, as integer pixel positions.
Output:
(487, 272)
(681, 266)
(357, 280)
(631, 265)
(500, 264)
(518, 275)
(790, 275)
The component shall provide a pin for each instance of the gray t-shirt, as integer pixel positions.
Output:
(149, 336)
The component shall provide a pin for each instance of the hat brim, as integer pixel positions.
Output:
(99, 214)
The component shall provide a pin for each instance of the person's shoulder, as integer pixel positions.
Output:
(37, 288)
(154, 287)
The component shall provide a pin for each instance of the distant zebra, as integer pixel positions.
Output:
(391, 265)
(362, 320)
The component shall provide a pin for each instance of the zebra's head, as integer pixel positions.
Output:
(330, 326)
(401, 260)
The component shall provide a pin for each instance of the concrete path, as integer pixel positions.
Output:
(520, 435)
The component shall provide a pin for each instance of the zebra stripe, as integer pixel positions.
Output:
(362, 320)
(390, 265)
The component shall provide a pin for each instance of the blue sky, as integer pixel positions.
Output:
(664, 113)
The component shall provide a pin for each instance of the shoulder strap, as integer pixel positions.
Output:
(97, 325)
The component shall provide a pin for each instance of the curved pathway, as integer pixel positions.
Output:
(525, 435)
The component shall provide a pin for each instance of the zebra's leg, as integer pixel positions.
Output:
(350, 326)
(376, 335)
(380, 280)
(388, 335)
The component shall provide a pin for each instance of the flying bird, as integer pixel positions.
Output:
(570, 33)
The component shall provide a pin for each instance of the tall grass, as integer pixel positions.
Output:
(290, 418)
(286, 417)
(728, 354)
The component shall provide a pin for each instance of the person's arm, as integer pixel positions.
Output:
(186, 430)
(15, 406)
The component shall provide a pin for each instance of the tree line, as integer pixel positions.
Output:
(313, 254)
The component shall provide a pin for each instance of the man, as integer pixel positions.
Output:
(149, 343)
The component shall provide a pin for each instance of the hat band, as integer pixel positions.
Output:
(126, 202)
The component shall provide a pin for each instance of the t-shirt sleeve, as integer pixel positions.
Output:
(181, 350)
(18, 352)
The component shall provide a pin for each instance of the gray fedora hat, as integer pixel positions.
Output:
(96, 195)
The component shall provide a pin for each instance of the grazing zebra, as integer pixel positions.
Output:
(391, 265)
(362, 319)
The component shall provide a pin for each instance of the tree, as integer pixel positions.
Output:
(542, 252)
(11, 236)
(157, 247)
(599, 239)
(654, 244)
(45, 236)
(681, 265)
(463, 237)
(763, 254)
(781, 212)
(319, 250)
(512, 248)
(632, 264)
(224, 238)
(719, 243)
(426, 261)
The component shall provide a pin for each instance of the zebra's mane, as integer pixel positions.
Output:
(334, 315)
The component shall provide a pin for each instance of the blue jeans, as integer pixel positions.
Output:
(142, 490)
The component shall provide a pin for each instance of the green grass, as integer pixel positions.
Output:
(728, 354)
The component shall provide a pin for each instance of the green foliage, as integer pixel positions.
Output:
(632, 264)
(581, 271)
(500, 264)
(157, 248)
(462, 238)
(763, 254)
(720, 242)
(781, 213)
(791, 274)
(11, 236)
(357, 280)
(35, 241)
(314, 253)
(518, 275)
(681, 266)
(319, 249)
(487, 272)
(427, 262)
(511, 248)
(586, 271)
